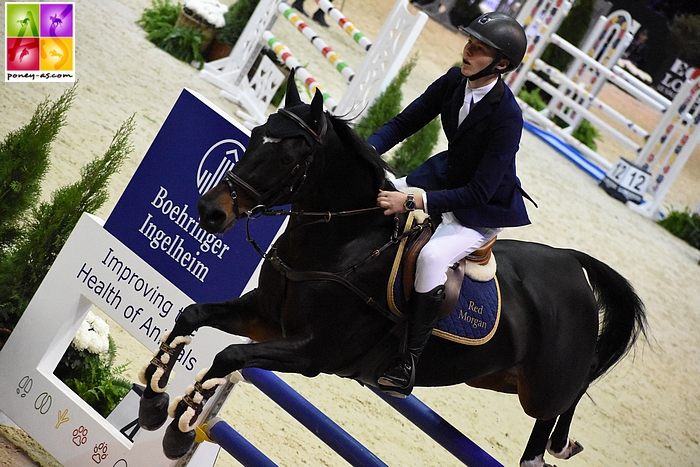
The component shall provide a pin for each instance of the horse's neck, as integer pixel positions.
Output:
(335, 242)
(345, 184)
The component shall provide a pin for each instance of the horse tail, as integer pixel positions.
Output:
(622, 313)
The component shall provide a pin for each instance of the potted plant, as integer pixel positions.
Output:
(178, 29)
(235, 19)
(207, 16)
(87, 367)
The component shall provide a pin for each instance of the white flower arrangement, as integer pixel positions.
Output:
(93, 335)
(211, 11)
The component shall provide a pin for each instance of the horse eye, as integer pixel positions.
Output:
(287, 159)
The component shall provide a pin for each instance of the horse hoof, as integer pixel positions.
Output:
(395, 392)
(572, 448)
(153, 411)
(176, 443)
(536, 462)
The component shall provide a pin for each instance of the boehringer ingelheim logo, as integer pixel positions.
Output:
(219, 159)
(39, 42)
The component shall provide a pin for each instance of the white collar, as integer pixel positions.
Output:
(477, 94)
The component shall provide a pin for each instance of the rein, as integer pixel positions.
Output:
(338, 277)
(325, 217)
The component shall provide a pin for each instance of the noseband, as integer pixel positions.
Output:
(290, 184)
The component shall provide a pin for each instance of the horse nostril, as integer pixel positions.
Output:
(211, 218)
(214, 218)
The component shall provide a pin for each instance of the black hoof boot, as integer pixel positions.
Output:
(153, 411)
(176, 443)
(399, 377)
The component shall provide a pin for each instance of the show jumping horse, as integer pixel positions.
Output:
(321, 301)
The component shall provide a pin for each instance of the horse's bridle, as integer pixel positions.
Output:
(290, 184)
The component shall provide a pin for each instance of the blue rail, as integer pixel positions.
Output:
(313, 419)
(460, 446)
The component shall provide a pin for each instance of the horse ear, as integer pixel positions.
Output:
(292, 96)
(317, 106)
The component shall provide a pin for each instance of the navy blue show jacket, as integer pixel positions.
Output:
(475, 178)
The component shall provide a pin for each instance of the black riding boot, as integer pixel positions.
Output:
(299, 6)
(397, 380)
(320, 18)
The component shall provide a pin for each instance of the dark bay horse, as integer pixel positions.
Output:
(567, 318)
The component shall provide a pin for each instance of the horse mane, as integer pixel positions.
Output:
(357, 146)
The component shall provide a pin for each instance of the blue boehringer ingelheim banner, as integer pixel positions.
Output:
(157, 217)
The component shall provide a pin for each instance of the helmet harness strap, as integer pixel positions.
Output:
(489, 70)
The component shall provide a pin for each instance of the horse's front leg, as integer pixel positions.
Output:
(295, 355)
(238, 316)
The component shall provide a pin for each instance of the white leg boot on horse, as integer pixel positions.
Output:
(153, 408)
(398, 379)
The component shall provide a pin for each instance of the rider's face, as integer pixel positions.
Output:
(476, 56)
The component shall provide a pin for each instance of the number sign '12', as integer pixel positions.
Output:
(626, 182)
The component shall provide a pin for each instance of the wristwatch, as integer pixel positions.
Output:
(410, 203)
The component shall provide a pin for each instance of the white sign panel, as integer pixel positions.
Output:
(626, 181)
(94, 268)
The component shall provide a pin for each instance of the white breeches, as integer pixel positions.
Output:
(451, 242)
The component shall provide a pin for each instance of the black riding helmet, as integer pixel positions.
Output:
(504, 34)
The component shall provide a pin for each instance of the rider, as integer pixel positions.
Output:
(473, 184)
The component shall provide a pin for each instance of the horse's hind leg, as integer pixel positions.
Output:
(533, 456)
(560, 445)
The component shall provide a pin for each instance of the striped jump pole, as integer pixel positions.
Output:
(539, 19)
(585, 96)
(312, 418)
(642, 86)
(576, 106)
(440, 430)
(338, 16)
(292, 63)
(670, 146)
(317, 41)
(580, 154)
